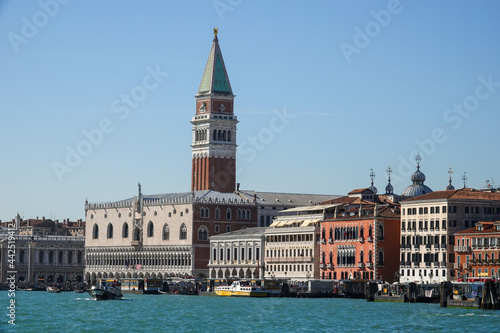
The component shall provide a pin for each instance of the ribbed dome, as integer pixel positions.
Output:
(418, 187)
(374, 189)
(418, 176)
(415, 190)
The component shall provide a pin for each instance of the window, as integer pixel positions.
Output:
(125, 230)
(40, 256)
(109, 234)
(51, 257)
(437, 210)
(228, 228)
(228, 214)
(203, 233)
(70, 257)
(217, 213)
(79, 257)
(183, 232)
(95, 232)
(444, 209)
(217, 228)
(60, 257)
(151, 229)
(166, 232)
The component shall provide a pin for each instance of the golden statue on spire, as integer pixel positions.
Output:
(215, 31)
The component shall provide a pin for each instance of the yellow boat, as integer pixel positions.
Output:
(236, 289)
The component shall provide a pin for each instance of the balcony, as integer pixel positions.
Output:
(443, 246)
(330, 265)
(361, 240)
(369, 265)
(427, 264)
(330, 241)
(361, 265)
(369, 239)
(322, 266)
(428, 246)
(408, 263)
(456, 265)
(323, 241)
(443, 263)
(408, 246)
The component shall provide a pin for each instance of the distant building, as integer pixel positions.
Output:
(477, 252)
(292, 243)
(238, 254)
(42, 255)
(361, 239)
(428, 225)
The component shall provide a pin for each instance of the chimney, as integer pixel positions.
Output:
(43, 218)
(237, 187)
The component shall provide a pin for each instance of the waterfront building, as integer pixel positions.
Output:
(237, 254)
(159, 236)
(477, 251)
(166, 235)
(47, 227)
(428, 225)
(292, 243)
(361, 239)
(42, 257)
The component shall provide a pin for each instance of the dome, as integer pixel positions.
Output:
(373, 188)
(389, 189)
(450, 187)
(418, 176)
(418, 187)
(415, 190)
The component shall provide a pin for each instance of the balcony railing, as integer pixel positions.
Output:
(369, 239)
(361, 264)
(330, 241)
(330, 265)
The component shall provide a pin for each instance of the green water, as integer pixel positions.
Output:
(71, 312)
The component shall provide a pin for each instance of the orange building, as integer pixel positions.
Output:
(361, 242)
(477, 252)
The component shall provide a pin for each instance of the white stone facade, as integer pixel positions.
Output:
(427, 228)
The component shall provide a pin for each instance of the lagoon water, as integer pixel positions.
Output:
(71, 312)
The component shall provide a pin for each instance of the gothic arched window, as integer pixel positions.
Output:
(125, 230)
(166, 232)
(183, 232)
(95, 232)
(203, 233)
(110, 231)
(151, 229)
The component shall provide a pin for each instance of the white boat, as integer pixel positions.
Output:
(53, 289)
(237, 289)
(106, 289)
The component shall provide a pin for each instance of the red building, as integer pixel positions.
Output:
(477, 252)
(362, 240)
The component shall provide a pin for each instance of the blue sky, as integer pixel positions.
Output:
(363, 84)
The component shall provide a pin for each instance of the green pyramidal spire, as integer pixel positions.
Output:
(215, 79)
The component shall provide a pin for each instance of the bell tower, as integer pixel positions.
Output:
(214, 128)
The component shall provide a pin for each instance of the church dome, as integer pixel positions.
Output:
(374, 189)
(418, 179)
(418, 176)
(415, 190)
